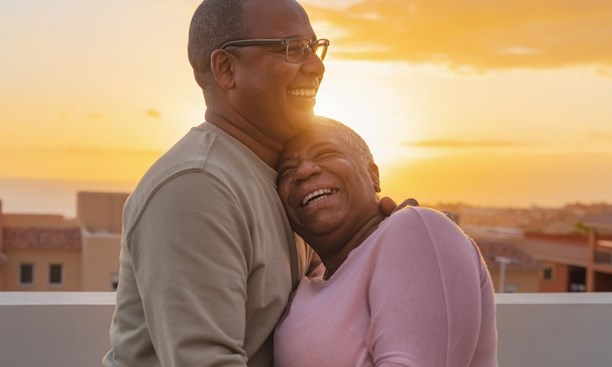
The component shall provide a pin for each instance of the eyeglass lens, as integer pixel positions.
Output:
(298, 50)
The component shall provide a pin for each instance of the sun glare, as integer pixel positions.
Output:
(368, 106)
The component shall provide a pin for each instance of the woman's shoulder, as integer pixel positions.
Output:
(422, 230)
(419, 215)
(421, 224)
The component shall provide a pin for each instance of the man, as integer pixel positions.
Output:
(208, 259)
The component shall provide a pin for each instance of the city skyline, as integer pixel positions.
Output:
(504, 105)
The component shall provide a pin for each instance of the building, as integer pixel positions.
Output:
(599, 269)
(563, 260)
(511, 269)
(554, 263)
(53, 253)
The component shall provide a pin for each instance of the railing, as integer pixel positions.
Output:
(543, 330)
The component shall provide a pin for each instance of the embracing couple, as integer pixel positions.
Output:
(212, 273)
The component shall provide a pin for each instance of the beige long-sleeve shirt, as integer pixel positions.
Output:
(208, 259)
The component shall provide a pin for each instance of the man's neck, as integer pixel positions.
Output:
(265, 148)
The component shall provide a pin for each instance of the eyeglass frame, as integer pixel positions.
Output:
(322, 42)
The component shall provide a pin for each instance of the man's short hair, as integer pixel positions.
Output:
(349, 136)
(214, 23)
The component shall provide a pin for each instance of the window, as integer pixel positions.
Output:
(548, 273)
(577, 279)
(26, 274)
(55, 274)
(511, 288)
(114, 281)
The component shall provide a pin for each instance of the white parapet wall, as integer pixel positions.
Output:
(555, 330)
(68, 329)
(535, 330)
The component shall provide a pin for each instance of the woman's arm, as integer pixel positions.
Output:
(430, 297)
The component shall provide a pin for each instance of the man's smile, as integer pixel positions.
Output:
(302, 92)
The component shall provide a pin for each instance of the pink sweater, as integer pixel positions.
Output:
(415, 293)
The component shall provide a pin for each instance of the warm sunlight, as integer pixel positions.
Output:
(357, 95)
(486, 104)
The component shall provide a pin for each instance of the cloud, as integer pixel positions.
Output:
(96, 116)
(153, 113)
(500, 179)
(80, 150)
(478, 34)
(462, 144)
(600, 135)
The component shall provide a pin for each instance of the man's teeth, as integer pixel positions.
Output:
(316, 196)
(301, 92)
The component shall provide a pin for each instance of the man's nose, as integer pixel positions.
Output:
(313, 66)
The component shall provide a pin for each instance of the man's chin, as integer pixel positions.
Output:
(302, 121)
(295, 123)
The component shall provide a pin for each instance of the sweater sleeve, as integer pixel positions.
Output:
(426, 296)
(190, 251)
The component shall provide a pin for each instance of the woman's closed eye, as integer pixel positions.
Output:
(285, 170)
(325, 153)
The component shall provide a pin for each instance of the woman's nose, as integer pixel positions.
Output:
(306, 170)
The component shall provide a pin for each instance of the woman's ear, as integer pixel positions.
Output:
(373, 171)
(222, 65)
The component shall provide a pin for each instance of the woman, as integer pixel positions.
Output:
(409, 290)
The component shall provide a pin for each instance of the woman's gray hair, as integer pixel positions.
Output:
(349, 136)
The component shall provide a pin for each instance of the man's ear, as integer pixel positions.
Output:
(222, 65)
(373, 171)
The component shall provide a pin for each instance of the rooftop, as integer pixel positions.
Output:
(541, 329)
(41, 238)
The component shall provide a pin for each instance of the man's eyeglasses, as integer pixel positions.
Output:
(296, 49)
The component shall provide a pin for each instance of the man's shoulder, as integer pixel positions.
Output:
(207, 152)
(188, 154)
(200, 151)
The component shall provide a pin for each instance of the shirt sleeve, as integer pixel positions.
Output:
(426, 296)
(191, 252)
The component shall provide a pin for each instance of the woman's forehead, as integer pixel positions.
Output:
(313, 138)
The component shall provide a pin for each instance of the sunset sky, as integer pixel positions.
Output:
(486, 102)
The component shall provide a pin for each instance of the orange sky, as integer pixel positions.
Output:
(480, 101)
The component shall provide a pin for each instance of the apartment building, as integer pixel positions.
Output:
(53, 253)
(537, 262)
(599, 269)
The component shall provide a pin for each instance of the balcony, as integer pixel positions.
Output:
(536, 329)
